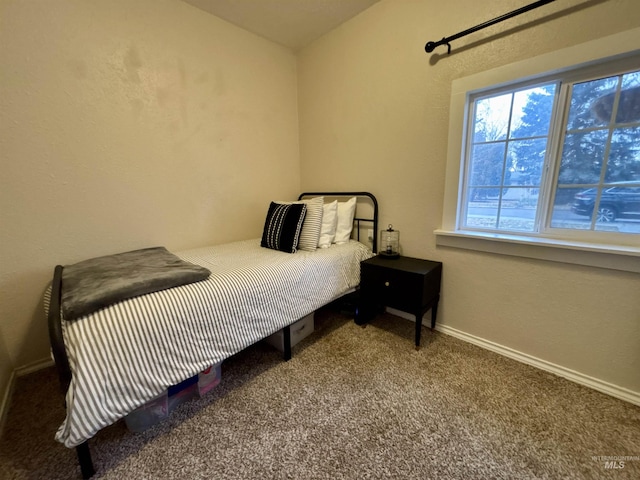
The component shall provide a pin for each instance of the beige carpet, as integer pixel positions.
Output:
(353, 403)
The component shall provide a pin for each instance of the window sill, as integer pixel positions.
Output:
(622, 258)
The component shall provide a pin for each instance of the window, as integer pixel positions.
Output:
(543, 157)
(560, 157)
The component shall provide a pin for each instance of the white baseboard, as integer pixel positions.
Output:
(6, 400)
(34, 367)
(576, 377)
(8, 393)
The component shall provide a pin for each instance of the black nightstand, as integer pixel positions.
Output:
(408, 284)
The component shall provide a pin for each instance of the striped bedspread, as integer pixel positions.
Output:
(126, 354)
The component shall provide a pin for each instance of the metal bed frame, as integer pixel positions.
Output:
(57, 340)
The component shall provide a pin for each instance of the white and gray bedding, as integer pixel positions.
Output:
(126, 354)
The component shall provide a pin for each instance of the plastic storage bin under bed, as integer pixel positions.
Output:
(161, 407)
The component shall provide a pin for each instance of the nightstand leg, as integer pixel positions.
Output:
(364, 314)
(418, 328)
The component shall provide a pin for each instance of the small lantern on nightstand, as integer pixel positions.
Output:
(390, 243)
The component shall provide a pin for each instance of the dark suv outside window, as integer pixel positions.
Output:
(615, 202)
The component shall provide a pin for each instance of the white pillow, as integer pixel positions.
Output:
(310, 233)
(346, 212)
(329, 222)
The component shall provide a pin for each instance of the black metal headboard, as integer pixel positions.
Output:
(357, 220)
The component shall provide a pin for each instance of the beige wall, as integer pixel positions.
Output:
(374, 113)
(128, 124)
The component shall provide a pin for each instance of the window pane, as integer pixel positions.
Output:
(586, 110)
(482, 211)
(492, 118)
(629, 107)
(487, 162)
(624, 155)
(619, 210)
(573, 208)
(532, 112)
(518, 209)
(526, 159)
(582, 157)
(631, 79)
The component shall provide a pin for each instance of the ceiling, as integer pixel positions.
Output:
(292, 23)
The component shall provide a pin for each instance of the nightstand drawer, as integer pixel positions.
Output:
(396, 289)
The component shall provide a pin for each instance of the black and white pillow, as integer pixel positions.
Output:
(282, 226)
(310, 232)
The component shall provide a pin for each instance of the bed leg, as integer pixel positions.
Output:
(286, 332)
(84, 457)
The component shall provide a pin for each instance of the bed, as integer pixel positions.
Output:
(114, 360)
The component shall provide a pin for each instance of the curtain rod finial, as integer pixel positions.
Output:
(429, 47)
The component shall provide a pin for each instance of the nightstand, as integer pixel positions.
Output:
(405, 283)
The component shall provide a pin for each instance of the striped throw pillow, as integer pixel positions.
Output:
(282, 226)
(310, 233)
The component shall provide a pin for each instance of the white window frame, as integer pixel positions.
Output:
(568, 248)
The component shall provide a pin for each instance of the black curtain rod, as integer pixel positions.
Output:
(430, 46)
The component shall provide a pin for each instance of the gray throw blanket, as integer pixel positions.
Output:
(99, 282)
